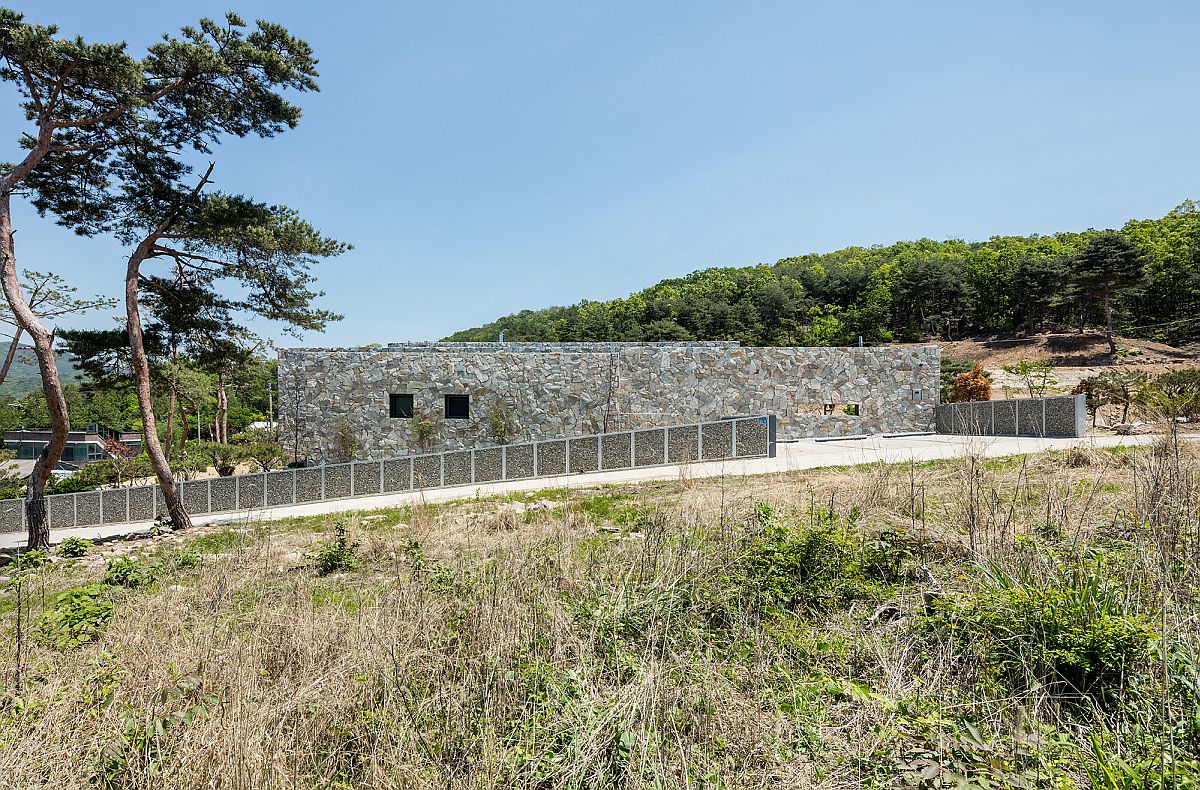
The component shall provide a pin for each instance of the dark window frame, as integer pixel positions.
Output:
(458, 406)
(396, 409)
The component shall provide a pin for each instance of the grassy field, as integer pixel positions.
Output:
(1018, 622)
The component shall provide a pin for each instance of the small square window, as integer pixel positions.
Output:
(401, 406)
(458, 407)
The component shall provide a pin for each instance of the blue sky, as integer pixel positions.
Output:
(489, 157)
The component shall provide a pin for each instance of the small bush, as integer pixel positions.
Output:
(78, 617)
(951, 368)
(74, 547)
(502, 420)
(817, 566)
(337, 554)
(973, 385)
(128, 572)
(1036, 374)
(28, 560)
(186, 559)
(1072, 632)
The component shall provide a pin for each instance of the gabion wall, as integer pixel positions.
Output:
(1059, 417)
(744, 437)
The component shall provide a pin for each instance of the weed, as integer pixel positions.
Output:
(78, 616)
(28, 560)
(128, 572)
(186, 559)
(137, 749)
(337, 554)
(216, 542)
(343, 598)
(1072, 632)
(815, 566)
(74, 547)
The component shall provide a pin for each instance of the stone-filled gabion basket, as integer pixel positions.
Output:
(743, 437)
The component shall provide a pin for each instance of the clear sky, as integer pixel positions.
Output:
(489, 157)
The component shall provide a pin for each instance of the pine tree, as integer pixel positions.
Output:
(1109, 265)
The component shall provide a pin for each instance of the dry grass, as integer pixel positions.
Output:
(598, 639)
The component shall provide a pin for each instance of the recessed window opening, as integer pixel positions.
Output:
(819, 409)
(400, 406)
(458, 407)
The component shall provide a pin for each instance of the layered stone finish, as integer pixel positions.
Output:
(567, 389)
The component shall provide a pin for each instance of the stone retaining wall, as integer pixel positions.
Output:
(744, 437)
(333, 397)
(1057, 417)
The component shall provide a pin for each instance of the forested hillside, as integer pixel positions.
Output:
(24, 378)
(906, 291)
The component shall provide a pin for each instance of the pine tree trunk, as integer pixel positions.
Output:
(222, 410)
(173, 402)
(184, 425)
(141, 379)
(1112, 346)
(36, 520)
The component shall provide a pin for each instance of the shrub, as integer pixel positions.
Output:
(74, 547)
(423, 431)
(73, 484)
(345, 442)
(1181, 389)
(128, 572)
(261, 447)
(93, 476)
(816, 566)
(1036, 374)
(78, 617)
(950, 370)
(337, 554)
(222, 457)
(1072, 632)
(1180, 382)
(27, 560)
(973, 385)
(502, 421)
(186, 559)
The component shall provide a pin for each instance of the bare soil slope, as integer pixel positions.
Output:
(1075, 357)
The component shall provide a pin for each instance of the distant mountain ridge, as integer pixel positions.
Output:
(24, 376)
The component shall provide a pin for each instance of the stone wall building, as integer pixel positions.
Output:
(374, 402)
